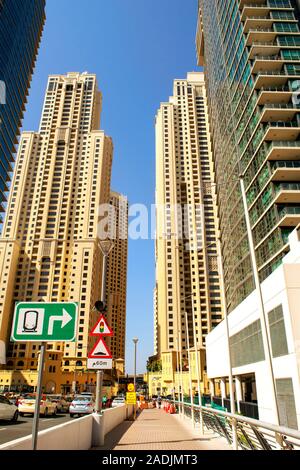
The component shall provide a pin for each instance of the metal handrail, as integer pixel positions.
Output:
(252, 434)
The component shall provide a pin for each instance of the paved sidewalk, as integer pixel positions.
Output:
(157, 430)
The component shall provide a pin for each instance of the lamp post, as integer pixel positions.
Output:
(263, 319)
(105, 246)
(261, 306)
(74, 381)
(231, 387)
(197, 363)
(187, 335)
(135, 341)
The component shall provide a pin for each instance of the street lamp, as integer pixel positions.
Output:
(135, 340)
(105, 246)
(261, 305)
(197, 363)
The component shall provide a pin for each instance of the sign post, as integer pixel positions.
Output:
(100, 357)
(35, 424)
(42, 322)
(131, 398)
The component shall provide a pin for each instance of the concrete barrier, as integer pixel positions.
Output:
(78, 434)
(110, 419)
(73, 435)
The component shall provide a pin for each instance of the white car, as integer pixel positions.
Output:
(118, 401)
(27, 405)
(8, 411)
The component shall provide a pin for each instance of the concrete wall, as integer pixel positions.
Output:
(78, 434)
(74, 435)
(112, 417)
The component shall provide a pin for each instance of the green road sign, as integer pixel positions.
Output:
(44, 321)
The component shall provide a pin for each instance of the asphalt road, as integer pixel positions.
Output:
(23, 427)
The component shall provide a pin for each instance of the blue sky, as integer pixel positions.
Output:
(136, 48)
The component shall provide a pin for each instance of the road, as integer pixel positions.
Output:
(23, 427)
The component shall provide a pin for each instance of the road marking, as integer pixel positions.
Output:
(3, 429)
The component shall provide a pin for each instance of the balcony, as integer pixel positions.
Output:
(285, 171)
(263, 49)
(280, 95)
(282, 131)
(252, 3)
(283, 150)
(289, 216)
(287, 193)
(254, 11)
(263, 4)
(266, 35)
(254, 23)
(275, 112)
(269, 79)
(264, 64)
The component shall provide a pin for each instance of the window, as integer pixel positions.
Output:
(247, 345)
(286, 403)
(277, 332)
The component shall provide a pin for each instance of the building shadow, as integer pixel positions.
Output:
(113, 438)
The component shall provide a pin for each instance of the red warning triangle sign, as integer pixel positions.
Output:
(101, 328)
(100, 350)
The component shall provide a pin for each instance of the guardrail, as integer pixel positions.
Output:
(251, 434)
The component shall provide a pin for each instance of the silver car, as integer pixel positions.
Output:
(82, 405)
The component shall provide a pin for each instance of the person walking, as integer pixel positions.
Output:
(159, 399)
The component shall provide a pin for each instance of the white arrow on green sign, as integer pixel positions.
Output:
(44, 321)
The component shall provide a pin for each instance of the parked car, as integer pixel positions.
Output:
(8, 411)
(118, 401)
(81, 405)
(27, 405)
(61, 403)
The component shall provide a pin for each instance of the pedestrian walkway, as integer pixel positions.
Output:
(155, 429)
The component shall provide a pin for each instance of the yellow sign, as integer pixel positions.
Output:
(130, 387)
(131, 398)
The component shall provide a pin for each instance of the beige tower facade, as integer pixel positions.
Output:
(187, 277)
(116, 275)
(49, 249)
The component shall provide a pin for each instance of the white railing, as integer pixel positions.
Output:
(252, 434)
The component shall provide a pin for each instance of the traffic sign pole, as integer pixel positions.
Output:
(35, 424)
(100, 372)
(98, 407)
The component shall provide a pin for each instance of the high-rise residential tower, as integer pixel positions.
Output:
(251, 53)
(116, 275)
(187, 277)
(20, 33)
(49, 249)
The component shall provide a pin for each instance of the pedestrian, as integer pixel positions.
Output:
(159, 401)
(104, 400)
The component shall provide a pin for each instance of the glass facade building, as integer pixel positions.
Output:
(21, 25)
(250, 50)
